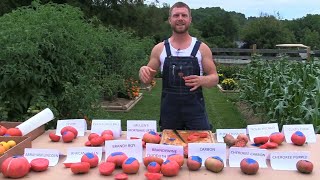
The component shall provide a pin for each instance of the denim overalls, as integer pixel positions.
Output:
(181, 108)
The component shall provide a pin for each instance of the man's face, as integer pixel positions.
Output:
(180, 20)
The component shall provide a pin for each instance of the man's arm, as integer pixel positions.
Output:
(211, 79)
(148, 72)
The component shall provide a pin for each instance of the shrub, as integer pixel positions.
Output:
(50, 56)
(229, 71)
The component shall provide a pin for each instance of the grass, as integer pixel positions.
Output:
(220, 108)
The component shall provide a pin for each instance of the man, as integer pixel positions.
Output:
(182, 60)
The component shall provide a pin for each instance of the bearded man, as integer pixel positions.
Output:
(187, 66)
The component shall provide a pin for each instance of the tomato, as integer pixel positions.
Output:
(203, 135)
(153, 176)
(121, 176)
(39, 164)
(106, 168)
(193, 137)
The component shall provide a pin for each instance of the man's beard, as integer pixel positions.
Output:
(178, 30)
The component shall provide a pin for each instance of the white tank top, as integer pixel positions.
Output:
(181, 53)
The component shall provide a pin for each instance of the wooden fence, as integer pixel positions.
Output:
(244, 56)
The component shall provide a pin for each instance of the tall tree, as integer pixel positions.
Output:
(266, 31)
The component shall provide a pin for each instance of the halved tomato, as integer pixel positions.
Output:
(153, 176)
(121, 176)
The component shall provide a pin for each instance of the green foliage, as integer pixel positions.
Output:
(51, 57)
(214, 26)
(286, 92)
(306, 30)
(266, 32)
(218, 27)
(229, 71)
(229, 84)
(45, 53)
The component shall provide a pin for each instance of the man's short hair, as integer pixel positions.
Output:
(179, 5)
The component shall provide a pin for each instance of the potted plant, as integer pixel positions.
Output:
(228, 85)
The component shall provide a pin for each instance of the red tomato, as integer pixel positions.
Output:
(121, 176)
(153, 176)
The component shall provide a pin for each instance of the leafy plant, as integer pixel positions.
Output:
(284, 91)
(228, 71)
(50, 56)
(221, 77)
(229, 84)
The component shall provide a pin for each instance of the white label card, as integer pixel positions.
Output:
(287, 160)
(162, 151)
(99, 125)
(237, 154)
(306, 129)
(79, 124)
(257, 130)
(234, 132)
(75, 154)
(137, 128)
(51, 154)
(132, 148)
(205, 150)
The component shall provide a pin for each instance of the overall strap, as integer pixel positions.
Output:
(195, 49)
(167, 46)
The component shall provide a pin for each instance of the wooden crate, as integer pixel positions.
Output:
(169, 137)
(22, 143)
(33, 134)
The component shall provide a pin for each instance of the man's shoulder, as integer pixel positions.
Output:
(158, 47)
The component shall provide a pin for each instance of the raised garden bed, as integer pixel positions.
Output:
(227, 91)
(146, 87)
(121, 104)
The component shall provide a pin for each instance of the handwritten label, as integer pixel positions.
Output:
(257, 130)
(75, 154)
(306, 129)
(234, 132)
(137, 128)
(237, 154)
(51, 154)
(162, 151)
(205, 150)
(79, 124)
(99, 125)
(287, 160)
(132, 148)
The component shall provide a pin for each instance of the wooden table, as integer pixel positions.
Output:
(60, 172)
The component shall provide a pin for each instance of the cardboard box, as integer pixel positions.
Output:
(33, 134)
(18, 149)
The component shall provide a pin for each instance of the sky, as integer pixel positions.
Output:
(288, 9)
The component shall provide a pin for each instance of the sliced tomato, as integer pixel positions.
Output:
(88, 143)
(271, 145)
(203, 135)
(193, 137)
(39, 164)
(67, 165)
(153, 176)
(121, 176)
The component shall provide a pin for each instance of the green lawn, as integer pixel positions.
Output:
(221, 111)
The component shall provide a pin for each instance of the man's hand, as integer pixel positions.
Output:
(193, 81)
(146, 74)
